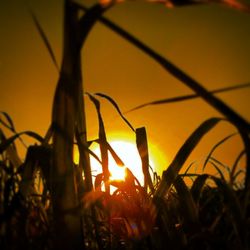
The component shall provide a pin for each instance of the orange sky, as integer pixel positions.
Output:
(210, 43)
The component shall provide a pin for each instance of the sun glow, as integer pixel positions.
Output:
(128, 153)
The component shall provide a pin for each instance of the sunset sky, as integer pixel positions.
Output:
(210, 43)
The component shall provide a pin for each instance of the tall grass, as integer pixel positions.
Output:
(46, 204)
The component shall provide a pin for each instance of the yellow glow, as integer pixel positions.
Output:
(128, 154)
(126, 149)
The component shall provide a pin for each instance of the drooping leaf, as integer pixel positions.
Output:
(103, 143)
(5, 144)
(117, 108)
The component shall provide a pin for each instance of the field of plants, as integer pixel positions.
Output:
(48, 201)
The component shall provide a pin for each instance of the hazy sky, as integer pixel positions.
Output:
(210, 43)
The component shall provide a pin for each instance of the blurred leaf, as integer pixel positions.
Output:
(45, 39)
(198, 186)
(238, 5)
(117, 159)
(169, 175)
(10, 126)
(217, 164)
(235, 165)
(98, 181)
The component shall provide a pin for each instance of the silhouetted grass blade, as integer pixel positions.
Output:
(142, 146)
(117, 108)
(10, 124)
(115, 156)
(235, 165)
(45, 39)
(216, 146)
(187, 97)
(189, 208)
(103, 142)
(234, 208)
(197, 186)
(5, 144)
(169, 175)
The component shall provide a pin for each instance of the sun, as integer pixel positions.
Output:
(126, 149)
(128, 153)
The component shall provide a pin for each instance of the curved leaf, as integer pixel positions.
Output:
(233, 169)
(5, 144)
(216, 146)
(117, 108)
(169, 175)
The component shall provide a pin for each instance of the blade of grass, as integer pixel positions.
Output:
(215, 147)
(187, 203)
(187, 97)
(44, 38)
(235, 165)
(103, 143)
(169, 175)
(198, 186)
(11, 151)
(117, 109)
(142, 146)
(5, 144)
(234, 208)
